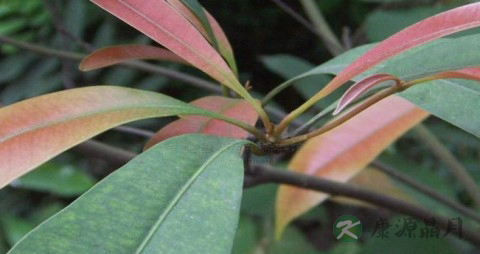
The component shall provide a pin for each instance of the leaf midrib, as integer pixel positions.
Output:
(179, 195)
(81, 116)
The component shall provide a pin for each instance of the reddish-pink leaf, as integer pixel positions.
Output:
(35, 130)
(437, 26)
(189, 15)
(233, 108)
(342, 152)
(122, 53)
(223, 44)
(361, 87)
(163, 23)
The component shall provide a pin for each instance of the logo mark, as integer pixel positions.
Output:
(347, 228)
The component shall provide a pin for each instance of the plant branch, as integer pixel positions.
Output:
(58, 24)
(321, 25)
(134, 131)
(339, 120)
(426, 190)
(304, 22)
(141, 66)
(264, 174)
(445, 156)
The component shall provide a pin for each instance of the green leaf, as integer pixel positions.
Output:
(245, 237)
(15, 228)
(181, 196)
(199, 12)
(453, 100)
(381, 24)
(63, 180)
(288, 66)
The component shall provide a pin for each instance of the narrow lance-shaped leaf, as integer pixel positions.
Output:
(35, 130)
(163, 23)
(233, 108)
(122, 53)
(181, 196)
(437, 26)
(201, 15)
(342, 152)
(218, 37)
(361, 87)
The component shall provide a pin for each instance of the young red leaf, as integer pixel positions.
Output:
(233, 108)
(361, 87)
(121, 53)
(35, 130)
(437, 26)
(163, 23)
(342, 152)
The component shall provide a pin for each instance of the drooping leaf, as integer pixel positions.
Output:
(360, 88)
(181, 196)
(122, 53)
(342, 152)
(432, 28)
(161, 22)
(233, 108)
(37, 129)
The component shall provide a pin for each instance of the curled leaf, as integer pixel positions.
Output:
(361, 87)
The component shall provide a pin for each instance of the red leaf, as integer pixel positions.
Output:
(437, 26)
(35, 130)
(233, 108)
(121, 53)
(163, 23)
(224, 45)
(361, 87)
(344, 151)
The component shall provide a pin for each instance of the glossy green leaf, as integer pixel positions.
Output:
(62, 180)
(181, 196)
